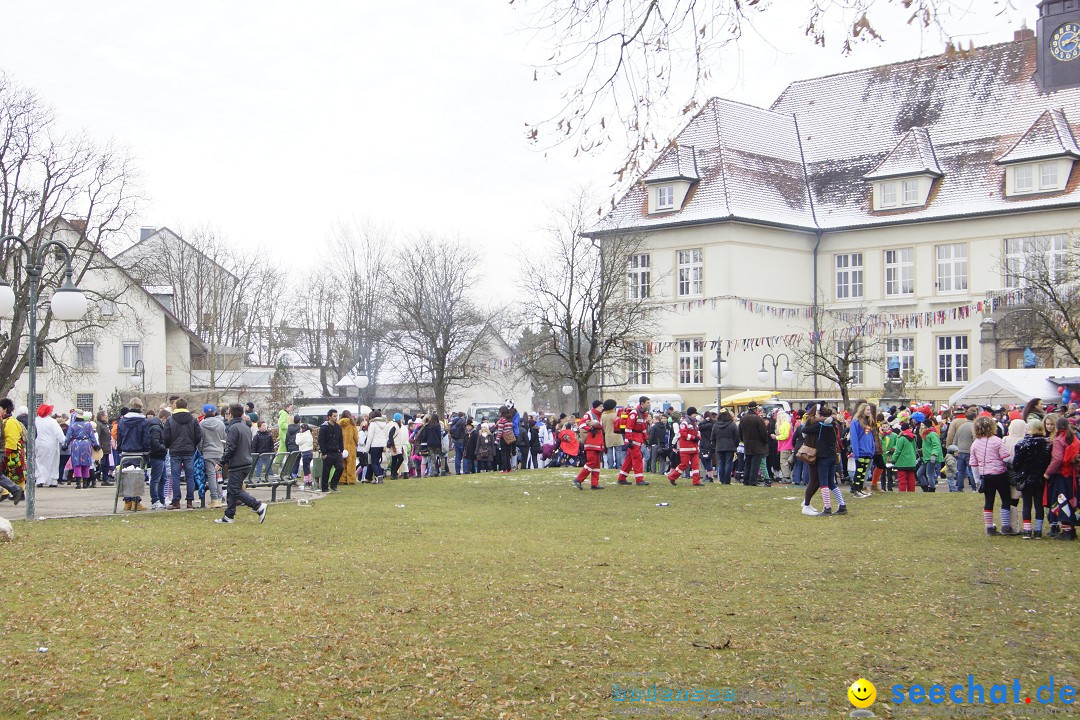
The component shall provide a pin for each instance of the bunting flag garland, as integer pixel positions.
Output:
(862, 324)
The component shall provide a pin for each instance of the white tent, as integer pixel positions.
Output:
(1001, 387)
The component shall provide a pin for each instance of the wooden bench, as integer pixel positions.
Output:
(277, 471)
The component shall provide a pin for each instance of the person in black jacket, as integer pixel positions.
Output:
(705, 444)
(262, 445)
(236, 460)
(472, 436)
(725, 438)
(658, 444)
(755, 438)
(822, 434)
(331, 445)
(290, 441)
(155, 432)
(182, 436)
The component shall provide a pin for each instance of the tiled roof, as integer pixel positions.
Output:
(678, 162)
(913, 155)
(749, 166)
(1049, 137)
(830, 133)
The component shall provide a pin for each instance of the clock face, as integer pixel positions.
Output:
(1065, 42)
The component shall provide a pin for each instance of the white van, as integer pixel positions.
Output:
(658, 401)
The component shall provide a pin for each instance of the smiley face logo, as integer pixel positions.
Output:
(862, 693)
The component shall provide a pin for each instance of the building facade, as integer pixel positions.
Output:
(894, 206)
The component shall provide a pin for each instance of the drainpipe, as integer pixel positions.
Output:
(816, 310)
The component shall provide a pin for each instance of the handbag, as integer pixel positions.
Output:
(809, 454)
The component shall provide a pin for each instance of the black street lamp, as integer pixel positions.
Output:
(68, 304)
(138, 376)
(763, 374)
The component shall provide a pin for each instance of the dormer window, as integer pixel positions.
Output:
(665, 197)
(901, 193)
(905, 175)
(1042, 177)
(1042, 159)
(670, 179)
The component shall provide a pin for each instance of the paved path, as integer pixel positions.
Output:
(66, 501)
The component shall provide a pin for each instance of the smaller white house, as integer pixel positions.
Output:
(130, 330)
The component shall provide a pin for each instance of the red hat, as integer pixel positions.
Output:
(44, 411)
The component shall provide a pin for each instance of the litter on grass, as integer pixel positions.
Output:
(661, 504)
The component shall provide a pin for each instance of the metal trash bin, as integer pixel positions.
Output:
(130, 478)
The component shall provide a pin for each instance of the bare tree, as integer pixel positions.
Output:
(843, 349)
(229, 298)
(628, 63)
(317, 341)
(1047, 317)
(588, 319)
(46, 176)
(441, 333)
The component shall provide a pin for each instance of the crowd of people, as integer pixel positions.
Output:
(1023, 460)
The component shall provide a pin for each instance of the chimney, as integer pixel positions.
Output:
(1024, 33)
(145, 232)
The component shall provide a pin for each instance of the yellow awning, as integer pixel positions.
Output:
(745, 397)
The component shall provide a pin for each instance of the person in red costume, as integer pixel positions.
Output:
(633, 438)
(593, 429)
(688, 449)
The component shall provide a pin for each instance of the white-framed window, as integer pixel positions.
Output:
(911, 192)
(1048, 176)
(1039, 256)
(952, 355)
(691, 272)
(665, 197)
(638, 278)
(1023, 179)
(131, 354)
(849, 276)
(84, 402)
(852, 352)
(107, 307)
(639, 365)
(903, 350)
(888, 194)
(84, 355)
(900, 272)
(952, 267)
(692, 362)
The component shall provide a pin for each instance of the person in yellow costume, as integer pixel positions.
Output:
(350, 438)
(13, 467)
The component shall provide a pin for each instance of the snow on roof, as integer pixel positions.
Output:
(832, 132)
(913, 155)
(1049, 137)
(678, 162)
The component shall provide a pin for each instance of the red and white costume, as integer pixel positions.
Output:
(594, 445)
(634, 438)
(688, 451)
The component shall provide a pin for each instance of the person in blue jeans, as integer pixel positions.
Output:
(182, 436)
(156, 457)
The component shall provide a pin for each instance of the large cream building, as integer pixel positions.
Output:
(903, 193)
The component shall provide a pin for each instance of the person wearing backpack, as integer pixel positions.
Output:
(1060, 492)
(457, 439)
(930, 470)
(593, 430)
(1031, 458)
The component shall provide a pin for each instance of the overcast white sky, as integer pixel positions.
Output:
(273, 120)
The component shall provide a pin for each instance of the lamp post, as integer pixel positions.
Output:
(361, 381)
(763, 374)
(567, 389)
(720, 369)
(138, 376)
(68, 303)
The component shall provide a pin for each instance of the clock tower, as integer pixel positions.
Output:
(1058, 34)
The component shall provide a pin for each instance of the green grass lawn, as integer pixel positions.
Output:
(488, 596)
